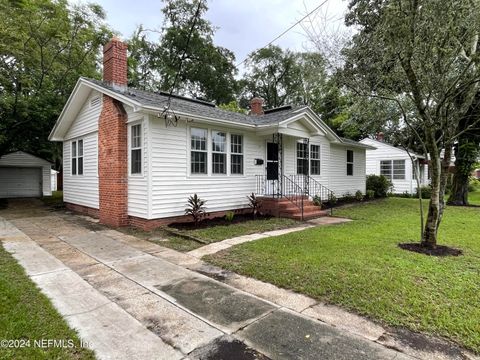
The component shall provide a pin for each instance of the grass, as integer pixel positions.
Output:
(25, 313)
(474, 197)
(209, 234)
(359, 266)
(56, 200)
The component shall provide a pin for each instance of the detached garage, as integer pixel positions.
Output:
(24, 175)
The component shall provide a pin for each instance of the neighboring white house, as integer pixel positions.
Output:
(396, 165)
(53, 179)
(24, 175)
(127, 156)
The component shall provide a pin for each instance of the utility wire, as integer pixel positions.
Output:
(286, 31)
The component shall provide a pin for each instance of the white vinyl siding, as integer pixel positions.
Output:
(173, 182)
(138, 189)
(339, 182)
(86, 121)
(82, 190)
(384, 152)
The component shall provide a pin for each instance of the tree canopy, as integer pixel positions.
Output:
(46, 45)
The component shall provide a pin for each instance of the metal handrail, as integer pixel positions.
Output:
(293, 192)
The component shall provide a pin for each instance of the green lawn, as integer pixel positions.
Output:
(359, 266)
(209, 234)
(27, 314)
(474, 198)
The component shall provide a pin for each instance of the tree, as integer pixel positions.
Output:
(425, 53)
(274, 75)
(46, 45)
(187, 49)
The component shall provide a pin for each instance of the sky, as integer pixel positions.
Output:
(243, 25)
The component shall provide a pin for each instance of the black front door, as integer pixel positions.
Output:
(272, 161)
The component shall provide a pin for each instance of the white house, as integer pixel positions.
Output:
(134, 157)
(396, 165)
(24, 175)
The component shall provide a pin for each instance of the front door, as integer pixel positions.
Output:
(272, 161)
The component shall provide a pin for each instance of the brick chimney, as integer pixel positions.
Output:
(380, 136)
(256, 106)
(115, 64)
(112, 140)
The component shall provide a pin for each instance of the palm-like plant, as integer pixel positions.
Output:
(254, 204)
(195, 208)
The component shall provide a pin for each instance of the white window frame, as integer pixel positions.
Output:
(206, 151)
(302, 158)
(232, 153)
(131, 148)
(392, 175)
(75, 145)
(351, 163)
(316, 159)
(225, 151)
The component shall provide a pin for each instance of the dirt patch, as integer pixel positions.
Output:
(439, 250)
(227, 348)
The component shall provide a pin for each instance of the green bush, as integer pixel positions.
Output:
(348, 197)
(474, 185)
(370, 194)
(379, 184)
(359, 195)
(426, 192)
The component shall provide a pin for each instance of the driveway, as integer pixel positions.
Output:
(132, 299)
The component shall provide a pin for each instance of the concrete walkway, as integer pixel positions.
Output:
(225, 244)
(133, 299)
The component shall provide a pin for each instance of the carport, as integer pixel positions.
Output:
(24, 175)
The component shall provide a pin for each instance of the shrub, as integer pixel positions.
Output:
(195, 208)
(370, 194)
(379, 184)
(229, 216)
(359, 195)
(317, 200)
(348, 197)
(254, 204)
(426, 191)
(332, 200)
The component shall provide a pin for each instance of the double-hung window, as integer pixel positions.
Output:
(136, 149)
(350, 162)
(77, 157)
(236, 154)
(219, 152)
(302, 158)
(315, 159)
(393, 169)
(198, 149)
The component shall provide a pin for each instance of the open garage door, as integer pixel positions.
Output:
(20, 182)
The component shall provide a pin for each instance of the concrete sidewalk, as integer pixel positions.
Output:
(127, 299)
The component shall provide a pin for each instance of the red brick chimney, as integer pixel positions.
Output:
(256, 106)
(380, 136)
(115, 63)
(112, 140)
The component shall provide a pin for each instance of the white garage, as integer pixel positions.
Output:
(24, 175)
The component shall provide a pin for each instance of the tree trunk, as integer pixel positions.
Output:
(434, 207)
(459, 194)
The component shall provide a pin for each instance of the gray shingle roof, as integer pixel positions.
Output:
(198, 107)
(202, 108)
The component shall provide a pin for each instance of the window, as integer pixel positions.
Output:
(302, 158)
(77, 157)
(315, 159)
(350, 162)
(198, 138)
(236, 154)
(393, 169)
(136, 149)
(219, 152)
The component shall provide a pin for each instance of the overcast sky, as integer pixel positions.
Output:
(243, 25)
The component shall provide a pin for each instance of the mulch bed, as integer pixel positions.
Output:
(439, 250)
(206, 223)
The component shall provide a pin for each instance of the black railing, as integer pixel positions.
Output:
(296, 188)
